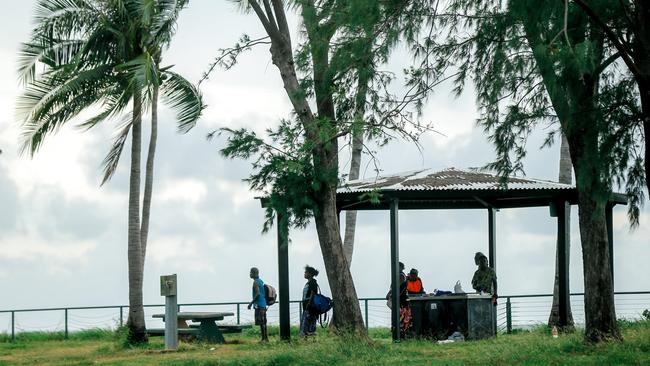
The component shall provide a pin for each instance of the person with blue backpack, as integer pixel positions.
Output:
(309, 318)
(259, 302)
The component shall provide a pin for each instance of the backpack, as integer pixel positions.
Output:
(320, 304)
(270, 295)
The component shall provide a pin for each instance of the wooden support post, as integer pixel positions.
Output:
(492, 237)
(562, 210)
(394, 267)
(610, 236)
(492, 253)
(283, 275)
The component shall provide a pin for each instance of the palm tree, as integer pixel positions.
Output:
(106, 53)
(565, 176)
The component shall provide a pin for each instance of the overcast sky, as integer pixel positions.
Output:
(63, 238)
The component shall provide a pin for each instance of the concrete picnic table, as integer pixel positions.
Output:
(208, 330)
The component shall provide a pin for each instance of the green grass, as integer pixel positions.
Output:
(536, 347)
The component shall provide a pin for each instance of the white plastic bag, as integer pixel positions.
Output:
(458, 289)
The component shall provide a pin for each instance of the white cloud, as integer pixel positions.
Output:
(250, 106)
(179, 253)
(238, 192)
(58, 252)
(182, 190)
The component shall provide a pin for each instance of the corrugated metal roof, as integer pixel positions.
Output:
(447, 180)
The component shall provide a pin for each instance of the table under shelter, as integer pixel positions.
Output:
(451, 188)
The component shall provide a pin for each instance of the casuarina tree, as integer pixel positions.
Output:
(298, 166)
(545, 63)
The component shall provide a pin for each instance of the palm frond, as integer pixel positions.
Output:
(141, 70)
(65, 19)
(184, 98)
(113, 157)
(114, 106)
(163, 26)
(52, 55)
(49, 102)
(55, 89)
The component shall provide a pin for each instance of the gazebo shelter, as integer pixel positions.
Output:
(452, 189)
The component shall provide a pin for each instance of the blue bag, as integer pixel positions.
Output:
(320, 304)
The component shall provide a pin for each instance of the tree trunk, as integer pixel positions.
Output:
(644, 90)
(355, 162)
(564, 176)
(573, 94)
(351, 216)
(135, 322)
(347, 313)
(641, 58)
(148, 177)
(600, 313)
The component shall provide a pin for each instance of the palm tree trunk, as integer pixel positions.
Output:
(355, 163)
(148, 177)
(135, 322)
(565, 176)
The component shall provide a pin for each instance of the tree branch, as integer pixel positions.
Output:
(271, 29)
(608, 61)
(269, 14)
(620, 47)
(281, 19)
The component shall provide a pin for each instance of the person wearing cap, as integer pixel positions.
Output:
(414, 283)
(485, 279)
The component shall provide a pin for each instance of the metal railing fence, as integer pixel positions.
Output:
(513, 312)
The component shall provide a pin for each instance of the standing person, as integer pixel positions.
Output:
(308, 321)
(485, 279)
(404, 306)
(402, 289)
(259, 302)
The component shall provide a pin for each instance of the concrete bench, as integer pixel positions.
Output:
(154, 332)
(233, 328)
(227, 328)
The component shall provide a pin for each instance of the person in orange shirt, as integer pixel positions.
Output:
(414, 283)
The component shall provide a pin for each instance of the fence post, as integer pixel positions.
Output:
(366, 312)
(508, 316)
(13, 331)
(238, 313)
(66, 323)
(121, 316)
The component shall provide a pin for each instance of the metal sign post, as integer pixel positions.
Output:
(168, 289)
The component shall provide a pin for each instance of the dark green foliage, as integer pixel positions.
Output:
(528, 72)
